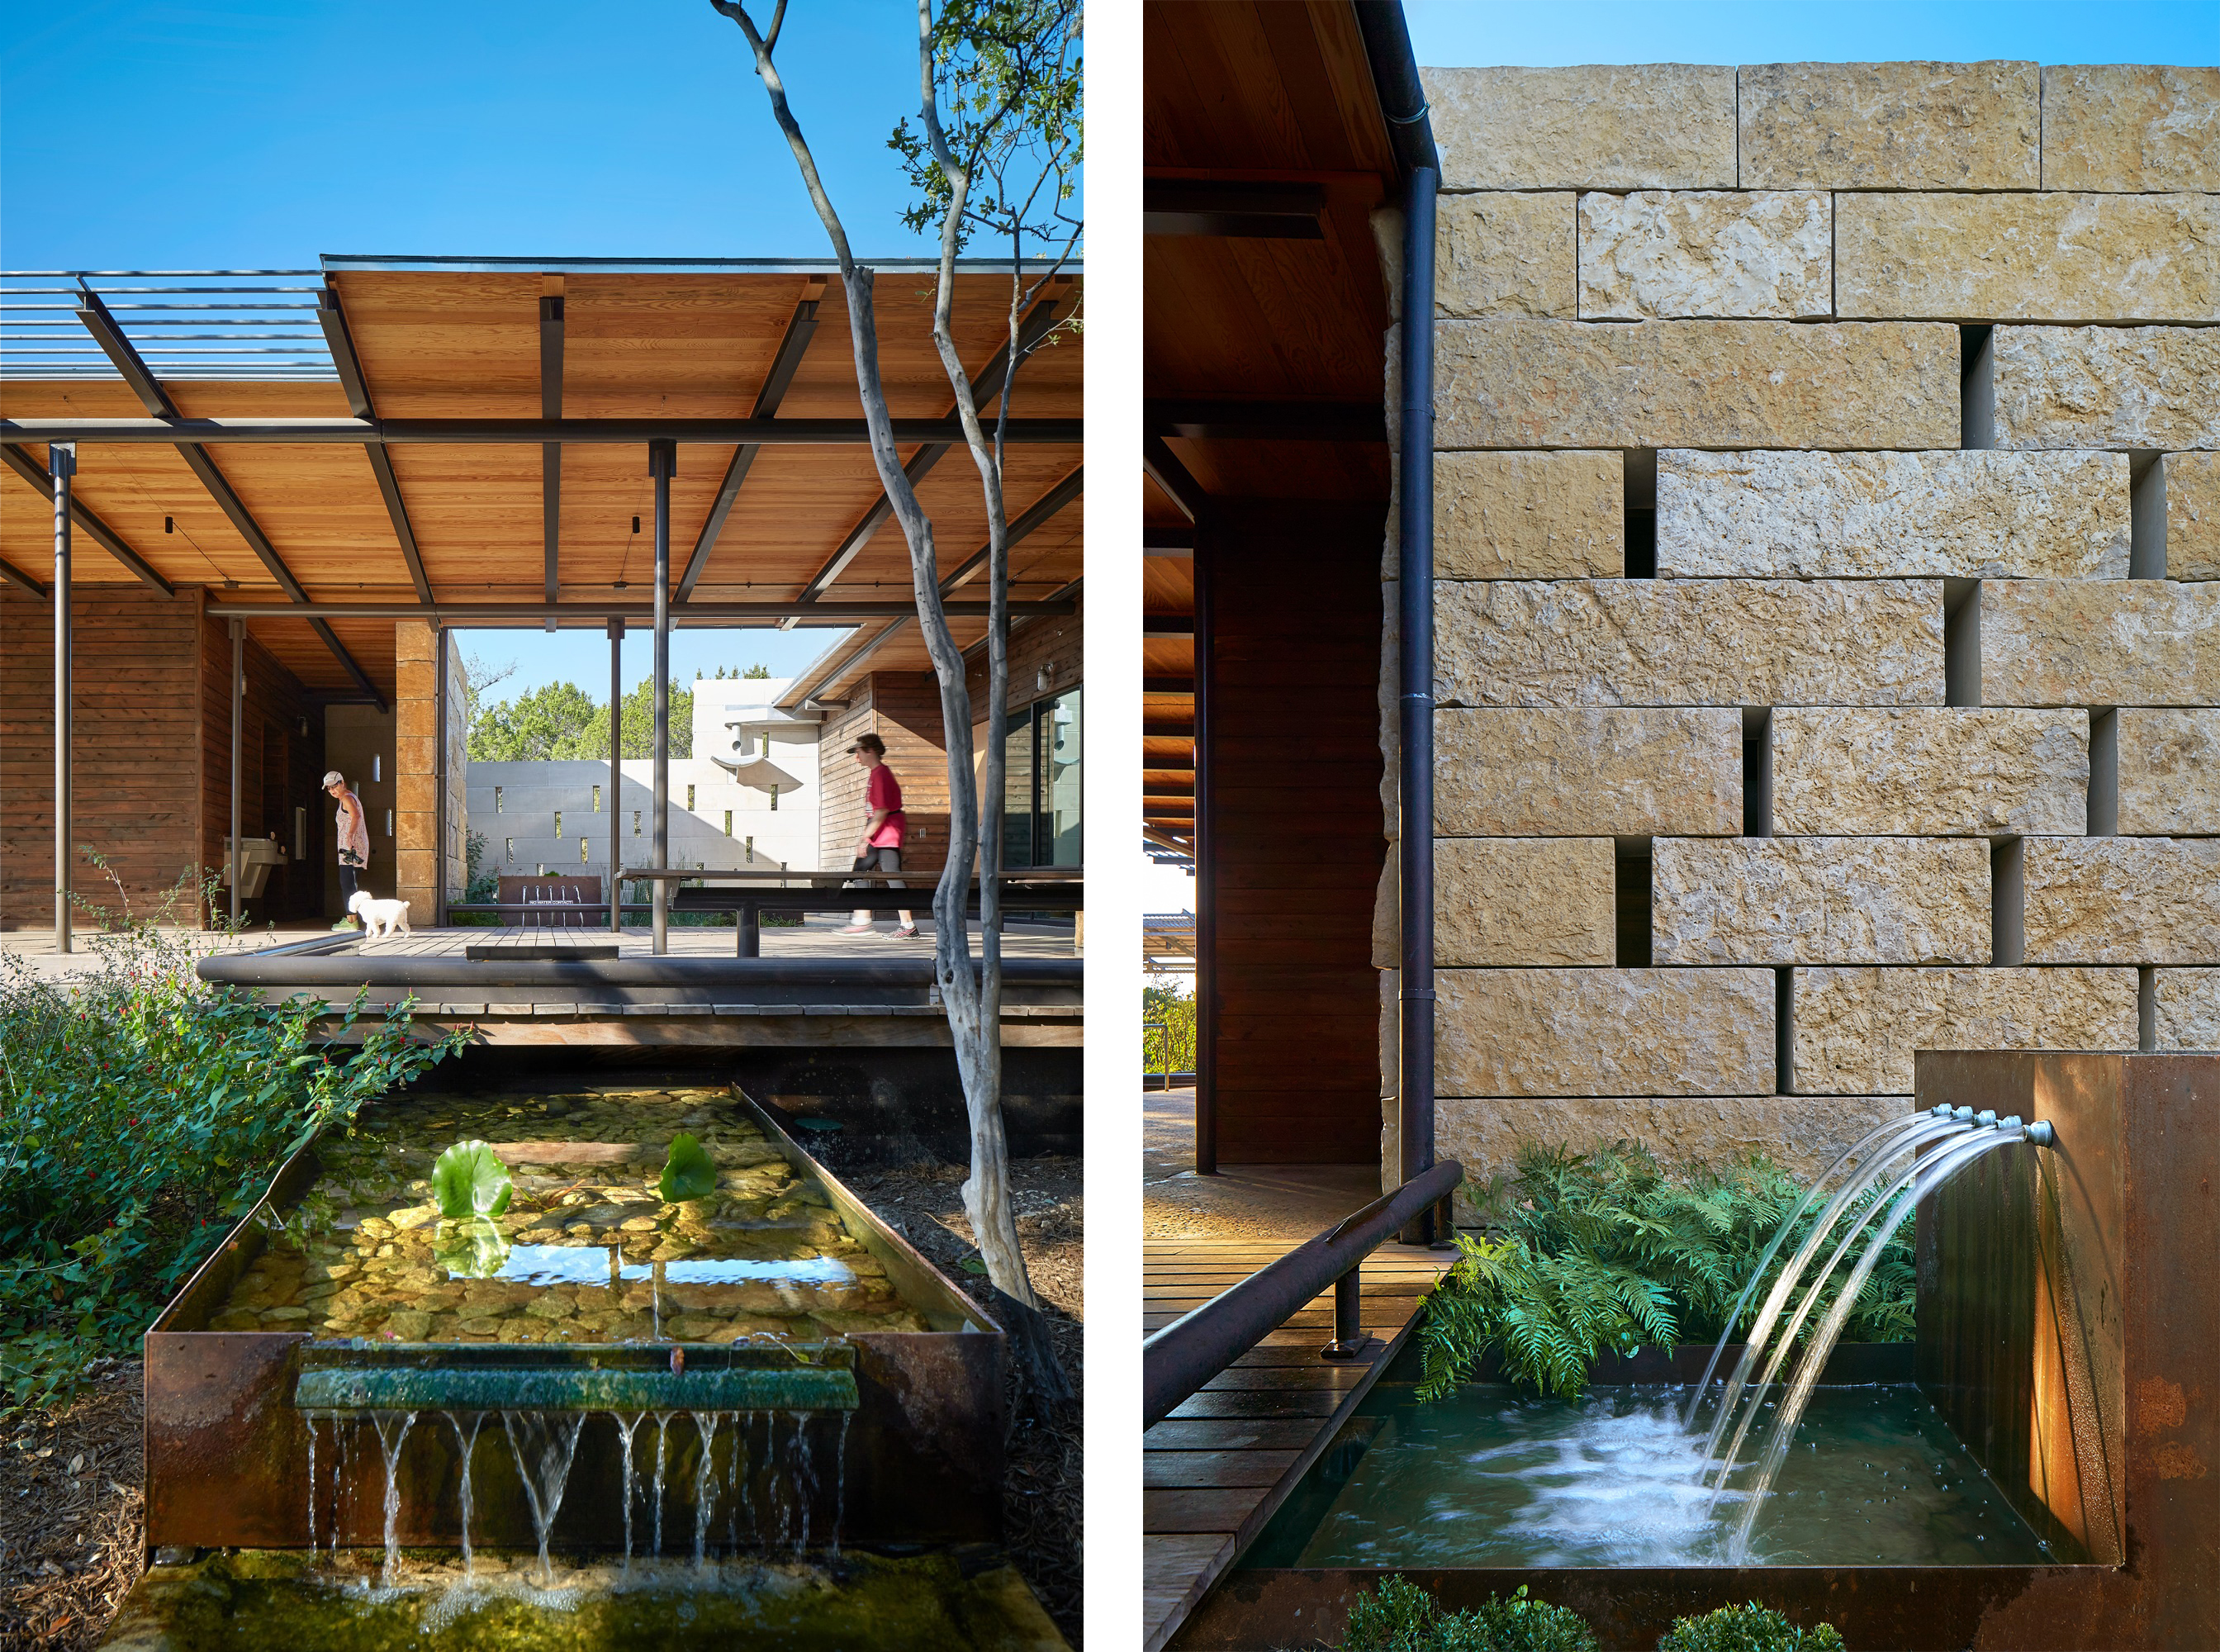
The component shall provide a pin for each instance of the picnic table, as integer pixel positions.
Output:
(750, 893)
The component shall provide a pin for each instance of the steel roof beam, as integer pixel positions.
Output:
(1211, 207)
(340, 342)
(597, 612)
(1173, 478)
(16, 576)
(1036, 514)
(801, 326)
(984, 389)
(105, 332)
(494, 433)
(1266, 421)
(35, 473)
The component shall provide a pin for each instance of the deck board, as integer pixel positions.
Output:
(1217, 1469)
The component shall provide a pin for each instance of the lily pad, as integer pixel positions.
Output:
(689, 1173)
(469, 1179)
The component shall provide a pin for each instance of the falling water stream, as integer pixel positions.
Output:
(392, 1434)
(466, 1442)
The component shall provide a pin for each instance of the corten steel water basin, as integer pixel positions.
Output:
(228, 1448)
(2069, 1332)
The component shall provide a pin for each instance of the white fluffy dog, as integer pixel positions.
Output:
(380, 919)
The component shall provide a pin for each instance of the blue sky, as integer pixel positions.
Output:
(137, 135)
(1470, 32)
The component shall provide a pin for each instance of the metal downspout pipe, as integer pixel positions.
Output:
(1403, 103)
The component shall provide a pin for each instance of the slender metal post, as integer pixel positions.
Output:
(662, 461)
(1205, 865)
(1415, 570)
(62, 457)
(616, 774)
(1348, 1337)
(238, 709)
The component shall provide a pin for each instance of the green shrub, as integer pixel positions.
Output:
(1169, 1042)
(142, 1112)
(1607, 1251)
(1401, 1617)
(1750, 1628)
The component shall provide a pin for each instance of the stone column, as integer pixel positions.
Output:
(416, 770)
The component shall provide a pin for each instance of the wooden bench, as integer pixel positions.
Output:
(749, 895)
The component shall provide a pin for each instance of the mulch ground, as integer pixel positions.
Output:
(71, 1485)
(71, 1512)
(1042, 1503)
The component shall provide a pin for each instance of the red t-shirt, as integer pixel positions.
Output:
(883, 791)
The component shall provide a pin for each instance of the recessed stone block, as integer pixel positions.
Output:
(1890, 125)
(2169, 772)
(1523, 900)
(1604, 1031)
(1977, 515)
(2186, 1003)
(2131, 126)
(1504, 254)
(1781, 901)
(2107, 387)
(1712, 642)
(2139, 900)
(1643, 126)
(2028, 258)
(2126, 642)
(1928, 771)
(1577, 772)
(1664, 253)
(1510, 382)
(1854, 1031)
(1529, 515)
(2192, 515)
(1804, 1132)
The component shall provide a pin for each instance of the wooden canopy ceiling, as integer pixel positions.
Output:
(1264, 304)
(619, 341)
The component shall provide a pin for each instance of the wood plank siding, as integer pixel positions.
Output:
(1296, 827)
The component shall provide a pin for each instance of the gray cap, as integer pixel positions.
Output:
(334, 778)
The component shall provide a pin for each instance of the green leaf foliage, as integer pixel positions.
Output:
(1401, 1617)
(561, 720)
(469, 1180)
(687, 1173)
(1607, 1251)
(1749, 1628)
(475, 1249)
(142, 1113)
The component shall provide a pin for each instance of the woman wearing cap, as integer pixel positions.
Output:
(879, 849)
(353, 841)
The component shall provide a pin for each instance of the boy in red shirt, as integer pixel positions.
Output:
(879, 850)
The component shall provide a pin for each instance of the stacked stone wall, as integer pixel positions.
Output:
(1827, 574)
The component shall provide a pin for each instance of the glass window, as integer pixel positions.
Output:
(1018, 791)
(559, 823)
(583, 842)
(689, 797)
(728, 823)
(508, 850)
(497, 799)
(1061, 740)
(597, 800)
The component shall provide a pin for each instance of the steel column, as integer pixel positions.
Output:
(662, 461)
(1206, 877)
(238, 709)
(62, 459)
(616, 773)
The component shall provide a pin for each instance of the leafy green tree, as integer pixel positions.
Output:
(758, 672)
(559, 721)
(639, 722)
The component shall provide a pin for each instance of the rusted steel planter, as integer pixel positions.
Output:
(2069, 1331)
(228, 1450)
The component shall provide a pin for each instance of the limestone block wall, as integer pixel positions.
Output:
(1827, 571)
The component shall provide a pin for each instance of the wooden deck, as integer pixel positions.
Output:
(1215, 1470)
(818, 938)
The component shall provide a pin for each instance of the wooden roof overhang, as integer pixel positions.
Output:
(1264, 307)
(467, 440)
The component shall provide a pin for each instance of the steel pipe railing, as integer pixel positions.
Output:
(1195, 1347)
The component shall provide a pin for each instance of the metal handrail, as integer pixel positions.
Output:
(1199, 1344)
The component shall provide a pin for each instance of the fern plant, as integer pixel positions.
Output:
(1608, 1250)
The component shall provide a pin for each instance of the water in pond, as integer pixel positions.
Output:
(587, 1252)
(1491, 1478)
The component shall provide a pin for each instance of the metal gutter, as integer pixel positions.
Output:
(1403, 105)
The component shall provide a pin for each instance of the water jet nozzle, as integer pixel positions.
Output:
(2041, 1133)
(1940, 1110)
(1987, 1117)
(1964, 1115)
